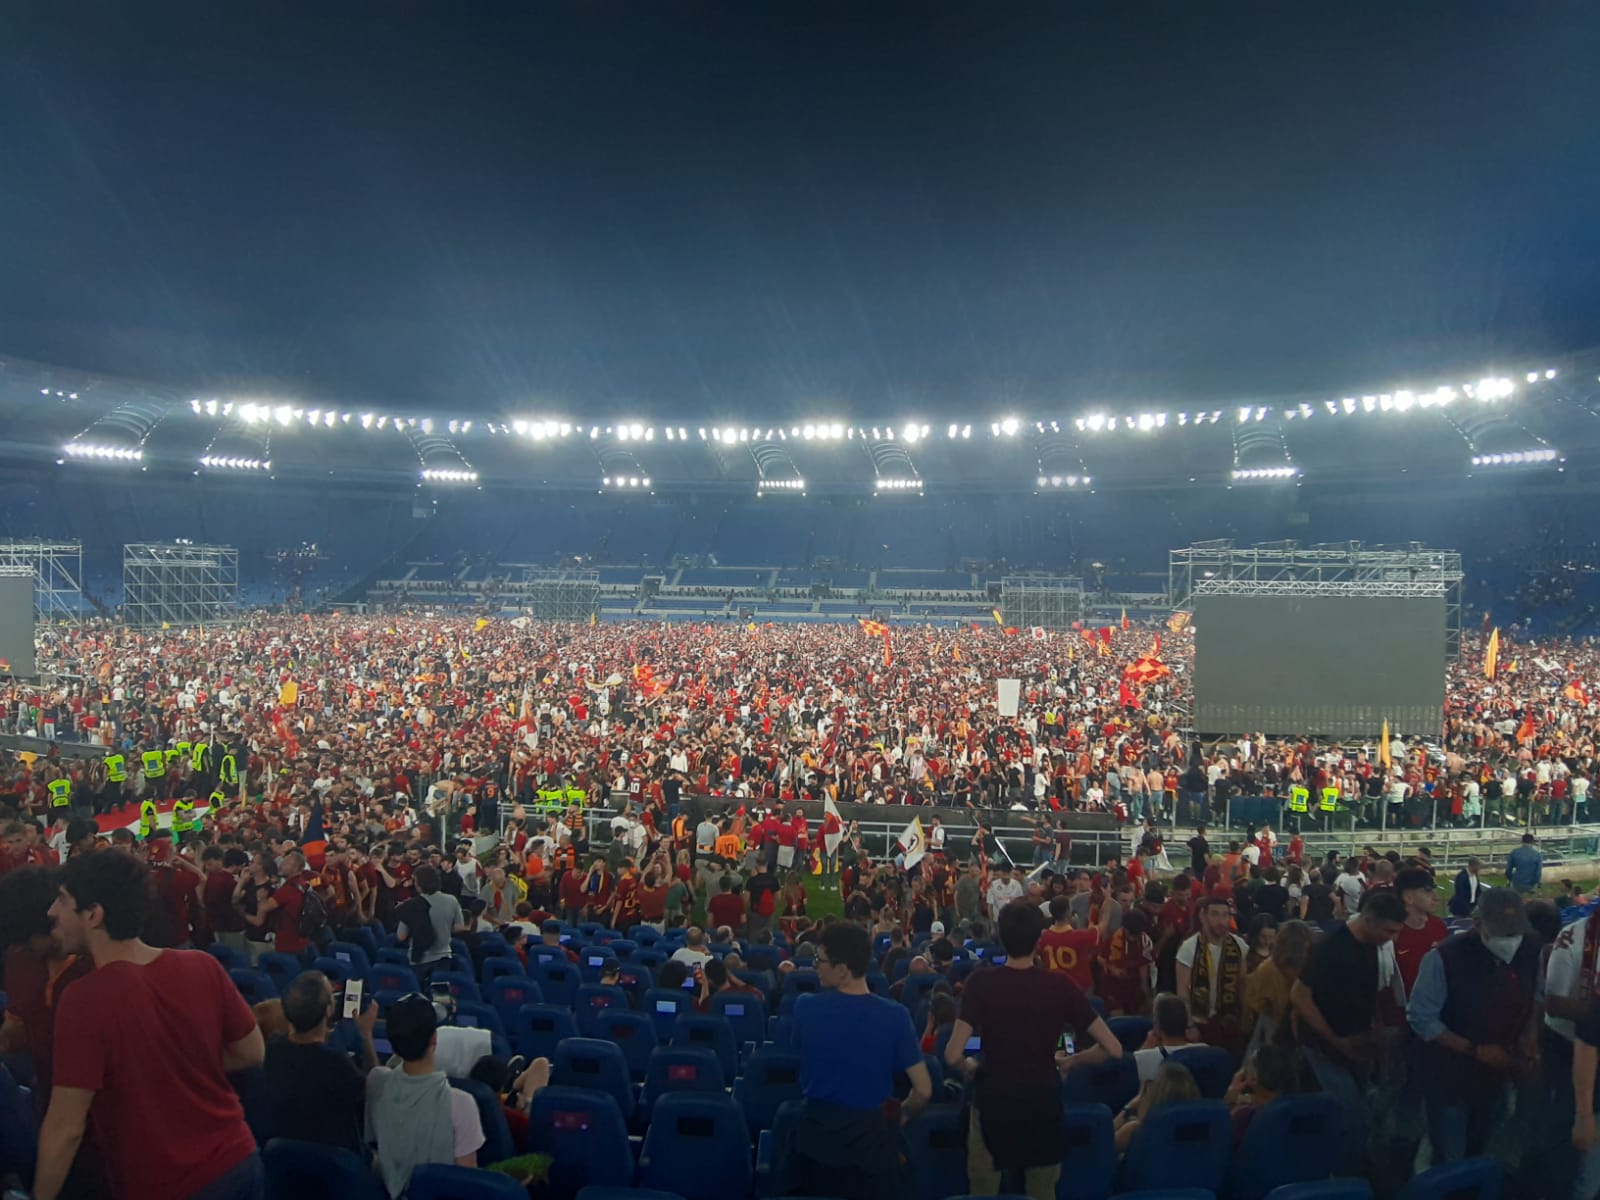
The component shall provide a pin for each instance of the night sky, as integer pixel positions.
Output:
(755, 207)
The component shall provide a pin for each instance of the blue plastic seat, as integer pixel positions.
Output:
(227, 956)
(631, 1032)
(497, 1143)
(558, 981)
(1186, 1144)
(446, 1181)
(655, 958)
(280, 968)
(745, 1012)
(494, 945)
(581, 1062)
(877, 983)
(497, 968)
(254, 986)
(774, 1160)
(594, 999)
(19, 1129)
(1113, 1083)
(1324, 1189)
(626, 1193)
(586, 1137)
(1470, 1179)
(388, 977)
(635, 979)
(353, 956)
(781, 1034)
(763, 958)
(643, 936)
(698, 1147)
(664, 1006)
(1295, 1139)
(672, 1069)
(916, 988)
(394, 955)
(337, 971)
(1212, 1068)
(474, 1014)
(936, 1152)
(309, 1171)
(703, 1032)
(539, 1028)
(622, 949)
(800, 981)
(1131, 1032)
(1088, 1153)
(539, 952)
(508, 995)
(462, 985)
(364, 937)
(770, 1078)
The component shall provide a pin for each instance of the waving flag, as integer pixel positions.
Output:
(1037, 633)
(995, 613)
(1491, 656)
(1126, 624)
(1177, 621)
(914, 843)
(1385, 759)
(1527, 731)
(832, 826)
(875, 628)
(1146, 670)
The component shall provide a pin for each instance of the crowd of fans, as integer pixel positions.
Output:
(287, 785)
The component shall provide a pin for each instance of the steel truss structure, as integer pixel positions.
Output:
(57, 570)
(179, 584)
(1041, 601)
(1350, 568)
(557, 595)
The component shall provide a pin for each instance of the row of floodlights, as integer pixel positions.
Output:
(447, 475)
(1265, 473)
(898, 485)
(626, 481)
(1064, 481)
(788, 485)
(236, 464)
(1515, 457)
(108, 453)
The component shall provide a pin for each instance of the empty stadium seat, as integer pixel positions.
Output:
(19, 1130)
(474, 1014)
(254, 986)
(636, 979)
(539, 1028)
(676, 1069)
(352, 955)
(1294, 1139)
(1179, 1145)
(1212, 1068)
(337, 970)
(1130, 1031)
(227, 956)
(393, 955)
(664, 1006)
(936, 1153)
(586, 1136)
(462, 985)
(388, 977)
(500, 966)
(631, 1032)
(1113, 1083)
(746, 1013)
(308, 1171)
(698, 1147)
(703, 1032)
(558, 981)
(1470, 1179)
(446, 1181)
(1088, 1153)
(507, 995)
(590, 1063)
(800, 981)
(643, 936)
(497, 1143)
(771, 1077)
(280, 968)
(539, 952)
(594, 999)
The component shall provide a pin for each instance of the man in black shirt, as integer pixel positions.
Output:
(1271, 897)
(314, 1092)
(1199, 853)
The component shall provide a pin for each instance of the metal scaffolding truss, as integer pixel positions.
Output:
(179, 584)
(57, 570)
(558, 595)
(1354, 567)
(1313, 587)
(1043, 601)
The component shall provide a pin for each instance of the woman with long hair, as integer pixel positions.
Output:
(1173, 1084)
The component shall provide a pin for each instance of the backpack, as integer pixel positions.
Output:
(313, 914)
(417, 916)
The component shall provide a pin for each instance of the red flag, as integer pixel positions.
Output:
(1527, 731)
(1088, 636)
(1105, 634)
(875, 628)
(888, 652)
(1126, 624)
(1125, 696)
(1155, 647)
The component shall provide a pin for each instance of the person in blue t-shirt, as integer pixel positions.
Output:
(852, 1044)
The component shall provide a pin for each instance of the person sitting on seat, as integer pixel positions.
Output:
(1170, 1035)
(1173, 1084)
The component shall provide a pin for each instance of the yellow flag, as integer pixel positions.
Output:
(995, 613)
(166, 625)
(482, 621)
(592, 618)
(288, 694)
(1491, 656)
(955, 653)
(1384, 760)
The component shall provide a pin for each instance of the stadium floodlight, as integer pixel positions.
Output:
(1063, 481)
(1549, 374)
(1009, 426)
(219, 463)
(1516, 458)
(1250, 474)
(898, 485)
(911, 432)
(797, 486)
(445, 475)
(102, 453)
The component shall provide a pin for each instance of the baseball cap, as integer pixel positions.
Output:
(937, 929)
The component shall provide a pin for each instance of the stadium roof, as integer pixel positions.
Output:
(1503, 421)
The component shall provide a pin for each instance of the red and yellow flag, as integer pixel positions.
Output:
(1491, 656)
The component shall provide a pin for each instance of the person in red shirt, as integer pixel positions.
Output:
(1068, 951)
(222, 868)
(1422, 930)
(281, 912)
(727, 907)
(137, 998)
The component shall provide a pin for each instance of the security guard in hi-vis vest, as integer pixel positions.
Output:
(1299, 798)
(154, 763)
(183, 815)
(60, 791)
(1330, 799)
(228, 768)
(147, 818)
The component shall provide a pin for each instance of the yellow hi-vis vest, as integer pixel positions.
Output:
(116, 768)
(197, 756)
(155, 764)
(147, 818)
(217, 799)
(1330, 799)
(228, 771)
(1299, 799)
(182, 816)
(175, 757)
(60, 792)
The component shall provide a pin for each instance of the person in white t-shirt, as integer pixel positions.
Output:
(1003, 890)
(1225, 954)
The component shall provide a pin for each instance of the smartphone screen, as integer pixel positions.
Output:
(352, 998)
(1067, 1044)
(974, 1044)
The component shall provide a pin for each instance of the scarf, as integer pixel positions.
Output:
(1228, 984)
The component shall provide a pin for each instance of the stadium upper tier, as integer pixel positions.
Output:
(1528, 418)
